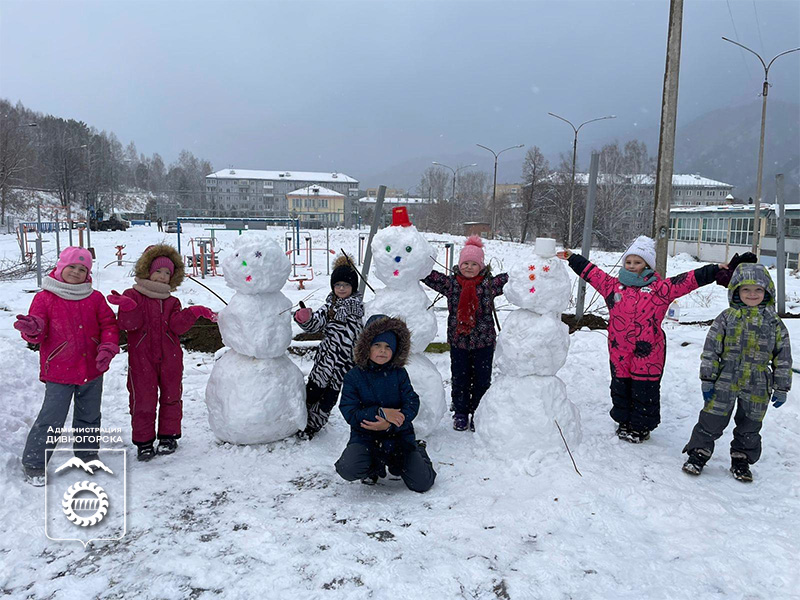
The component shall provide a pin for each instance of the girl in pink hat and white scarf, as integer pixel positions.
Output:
(77, 336)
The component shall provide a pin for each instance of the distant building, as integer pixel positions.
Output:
(244, 192)
(687, 190)
(317, 206)
(418, 208)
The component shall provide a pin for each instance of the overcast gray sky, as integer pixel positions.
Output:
(357, 86)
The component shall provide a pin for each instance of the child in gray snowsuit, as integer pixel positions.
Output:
(746, 362)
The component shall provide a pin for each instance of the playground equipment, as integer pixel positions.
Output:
(120, 254)
(299, 248)
(203, 258)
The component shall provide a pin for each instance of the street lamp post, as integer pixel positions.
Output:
(494, 186)
(574, 158)
(764, 92)
(69, 204)
(455, 174)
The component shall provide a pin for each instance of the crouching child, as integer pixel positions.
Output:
(379, 403)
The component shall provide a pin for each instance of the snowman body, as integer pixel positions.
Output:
(518, 414)
(255, 393)
(402, 257)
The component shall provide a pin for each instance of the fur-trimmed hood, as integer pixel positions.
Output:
(377, 327)
(142, 270)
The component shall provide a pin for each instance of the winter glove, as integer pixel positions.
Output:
(203, 311)
(124, 302)
(105, 352)
(708, 390)
(778, 398)
(723, 276)
(29, 325)
(303, 315)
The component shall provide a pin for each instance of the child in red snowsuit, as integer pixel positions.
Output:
(154, 321)
(637, 302)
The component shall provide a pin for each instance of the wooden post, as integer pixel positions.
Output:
(780, 245)
(666, 141)
(587, 230)
(377, 218)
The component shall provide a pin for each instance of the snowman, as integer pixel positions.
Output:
(519, 412)
(402, 257)
(256, 394)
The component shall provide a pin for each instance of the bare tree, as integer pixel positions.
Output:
(536, 187)
(432, 185)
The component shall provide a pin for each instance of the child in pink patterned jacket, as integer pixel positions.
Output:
(637, 302)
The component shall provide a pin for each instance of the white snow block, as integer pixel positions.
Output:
(531, 344)
(428, 384)
(255, 401)
(516, 417)
(410, 305)
(252, 324)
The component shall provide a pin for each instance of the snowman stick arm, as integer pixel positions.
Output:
(208, 288)
(352, 266)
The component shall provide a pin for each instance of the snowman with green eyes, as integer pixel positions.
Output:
(256, 394)
(402, 257)
(518, 414)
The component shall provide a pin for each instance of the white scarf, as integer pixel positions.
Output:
(67, 291)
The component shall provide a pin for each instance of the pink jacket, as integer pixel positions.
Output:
(636, 343)
(154, 327)
(72, 331)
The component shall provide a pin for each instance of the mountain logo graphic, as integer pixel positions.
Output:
(88, 467)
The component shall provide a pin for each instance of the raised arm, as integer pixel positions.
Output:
(591, 273)
(438, 282)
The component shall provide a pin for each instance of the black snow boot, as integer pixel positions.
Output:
(637, 436)
(167, 446)
(740, 468)
(34, 476)
(146, 452)
(696, 461)
(623, 431)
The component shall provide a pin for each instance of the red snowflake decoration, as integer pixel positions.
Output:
(531, 267)
(249, 278)
(546, 268)
(396, 273)
(532, 277)
(533, 289)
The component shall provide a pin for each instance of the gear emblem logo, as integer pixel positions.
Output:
(85, 503)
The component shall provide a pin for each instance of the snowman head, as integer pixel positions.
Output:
(402, 255)
(256, 265)
(540, 284)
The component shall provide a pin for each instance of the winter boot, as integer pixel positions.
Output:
(167, 446)
(460, 422)
(317, 418)
(740, 468)
(34, 476)
(377, 472)
(146, 451)
(637, 436)
(696, 461)
(623, 431)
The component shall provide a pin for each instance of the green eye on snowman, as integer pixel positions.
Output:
(388, 248)
(408, 248)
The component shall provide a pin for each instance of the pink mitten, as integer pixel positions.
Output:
(123, 302)
(30, 325)
(302, 315)
(105, 352)
(203, 311)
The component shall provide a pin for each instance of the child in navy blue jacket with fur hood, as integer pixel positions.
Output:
(379, 403)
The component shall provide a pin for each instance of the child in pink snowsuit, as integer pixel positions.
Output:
(77, 336)
(154, 321)
(637, 302)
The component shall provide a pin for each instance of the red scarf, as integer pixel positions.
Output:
(467, 304)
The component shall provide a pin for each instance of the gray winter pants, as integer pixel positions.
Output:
(358, 461)
(746, 435)
(85, 420)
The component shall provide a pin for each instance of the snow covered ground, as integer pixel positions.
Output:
(275, 521)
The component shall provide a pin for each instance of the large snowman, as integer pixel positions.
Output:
(256, 394)
(518, 414)
(403, 257)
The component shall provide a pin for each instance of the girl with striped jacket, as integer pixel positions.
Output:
(340, 320)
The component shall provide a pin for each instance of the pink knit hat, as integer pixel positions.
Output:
(160, 262)
(73, 255)
(473, 250)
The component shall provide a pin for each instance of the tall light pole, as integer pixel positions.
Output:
(494, 185)
(455, 174)
(764, 92)
(69, 203)
(574, 158)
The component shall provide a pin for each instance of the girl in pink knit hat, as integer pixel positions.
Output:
(77, 336)
(155, 321)
(470, 291)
